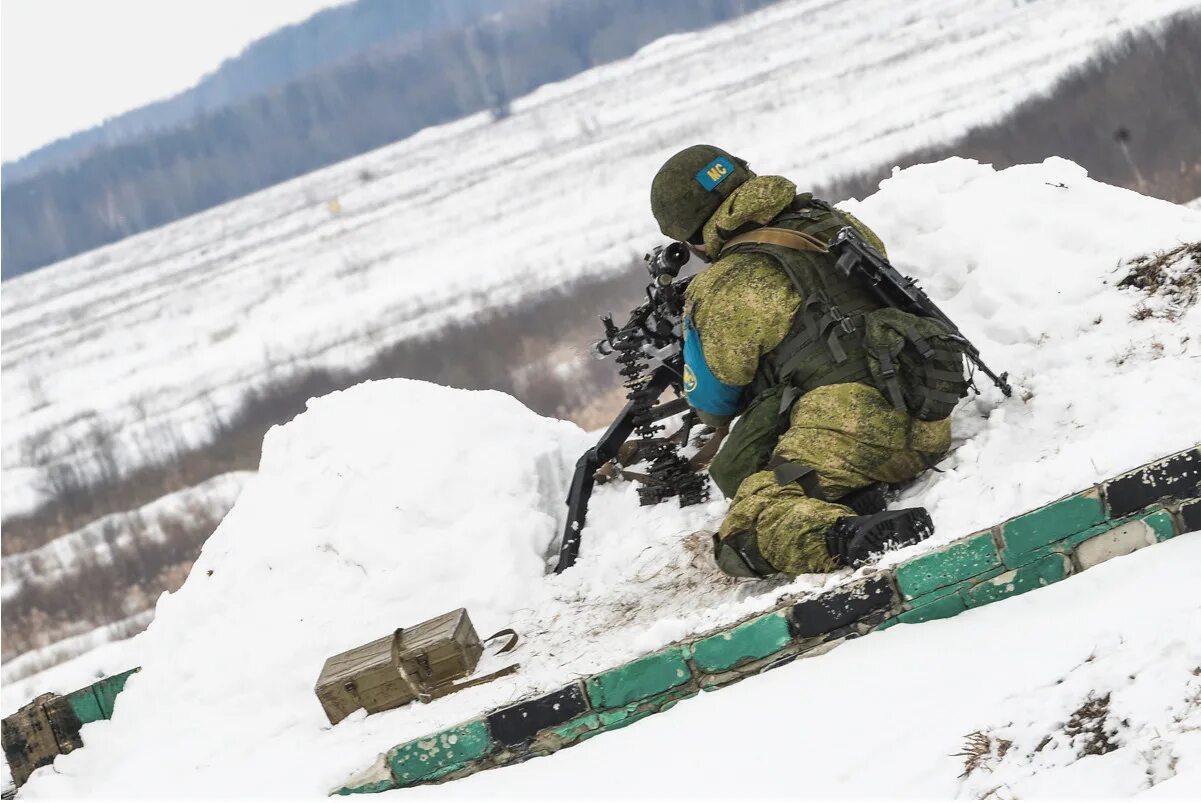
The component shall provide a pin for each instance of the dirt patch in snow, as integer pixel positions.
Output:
(1169, 278)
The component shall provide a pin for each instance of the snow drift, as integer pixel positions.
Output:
(397, 500)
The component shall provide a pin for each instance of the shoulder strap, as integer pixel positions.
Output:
(771, 235)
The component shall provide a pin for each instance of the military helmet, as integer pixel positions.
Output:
(691, 185)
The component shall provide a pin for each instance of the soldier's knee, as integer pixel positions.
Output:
(738, 555)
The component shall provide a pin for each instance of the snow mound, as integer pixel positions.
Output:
(380, 506)
(395, 501)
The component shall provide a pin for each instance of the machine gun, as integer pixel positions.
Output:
(856, 259)
(650, 351)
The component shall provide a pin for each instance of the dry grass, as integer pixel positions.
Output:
(980, 750)
(1173, 275)
(1088, 730)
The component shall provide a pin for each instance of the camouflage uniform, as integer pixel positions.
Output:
(847, 433)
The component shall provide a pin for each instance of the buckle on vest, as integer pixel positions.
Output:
(887, 369)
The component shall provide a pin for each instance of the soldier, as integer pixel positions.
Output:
(801, 354)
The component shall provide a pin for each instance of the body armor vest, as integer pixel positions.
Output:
(825, 345)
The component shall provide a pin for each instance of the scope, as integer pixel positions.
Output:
(666, 261)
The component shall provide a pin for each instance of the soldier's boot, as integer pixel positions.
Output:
(854, 540)
(869, 500)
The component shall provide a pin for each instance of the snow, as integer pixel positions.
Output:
(883, 716)
(155, 336)
(72, 663)
(38, 671)
(397, 500)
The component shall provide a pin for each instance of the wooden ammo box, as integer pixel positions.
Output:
(419, 662)
(38, 733)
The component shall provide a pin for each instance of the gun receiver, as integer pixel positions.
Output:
(651, 340)
(858, 259)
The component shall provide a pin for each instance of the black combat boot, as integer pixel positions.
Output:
(869, 500)
(853, 540)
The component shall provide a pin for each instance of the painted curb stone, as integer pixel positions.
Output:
(639, 679)
(1051, 523)
(749, 641)
(518, 724)
(838, 608)
(449, 749)
(953, 563)
(1178, 476)
(1190, 515)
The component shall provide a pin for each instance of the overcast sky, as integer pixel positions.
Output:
(66, 65)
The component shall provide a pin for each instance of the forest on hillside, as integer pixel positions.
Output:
(325, 38)
(353, 105)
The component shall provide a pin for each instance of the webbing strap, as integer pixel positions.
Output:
(771, 235)
(834, 322)
(888, 373)
(741, 548)
(448, 688)
(936, 395)
(849, 372)
(923, 347)
(836, 350)
(930, 397)
(790, 394)
(789, 471)
(813, 227)
(946, 355)
(808, 315)
(949, 376)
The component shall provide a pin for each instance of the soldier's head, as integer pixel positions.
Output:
(690, 186)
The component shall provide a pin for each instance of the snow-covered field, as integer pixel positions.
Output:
(102, 540)
(396, 500)
(150, 335)
(126, 537)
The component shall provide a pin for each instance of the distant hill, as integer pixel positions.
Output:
(282, 56)
(368, 79)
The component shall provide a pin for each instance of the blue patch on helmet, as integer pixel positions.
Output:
(715, 173)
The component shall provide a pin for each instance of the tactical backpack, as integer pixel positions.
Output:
(916, 362)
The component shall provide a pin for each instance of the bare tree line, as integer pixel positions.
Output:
(1131, 117)
(97, 592)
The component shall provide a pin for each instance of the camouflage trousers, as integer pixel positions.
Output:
(850, 437)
